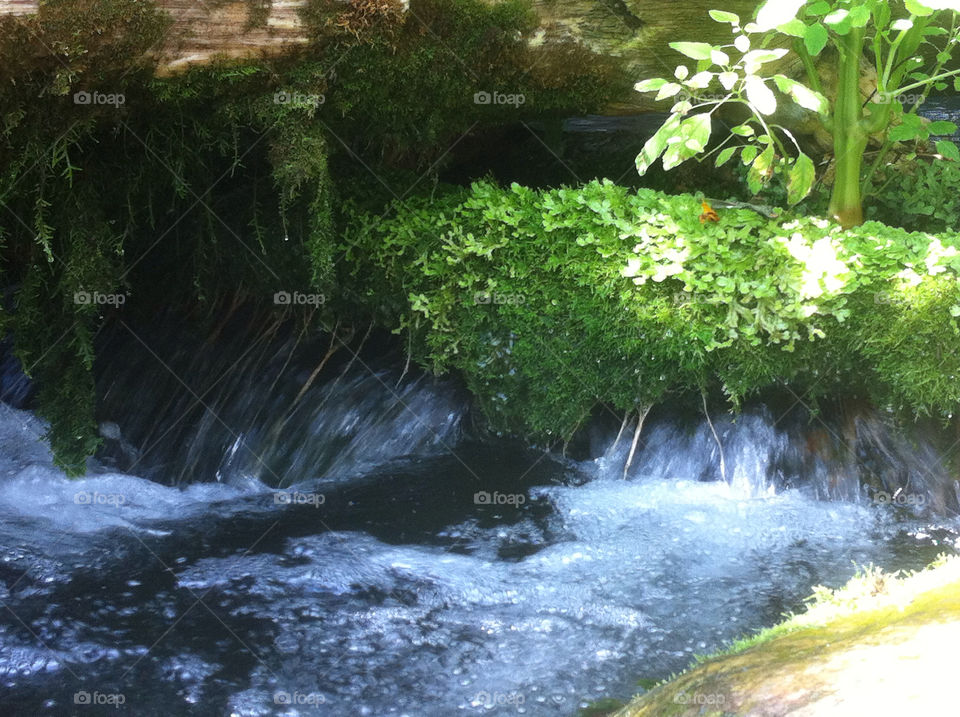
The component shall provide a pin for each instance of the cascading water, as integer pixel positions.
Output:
(404, 566)
(236, 410)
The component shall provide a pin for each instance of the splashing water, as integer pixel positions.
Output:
(422, 576)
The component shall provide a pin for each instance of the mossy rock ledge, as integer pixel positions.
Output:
(856, 653)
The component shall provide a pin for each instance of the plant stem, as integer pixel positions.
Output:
(849, 139)
(809, 66)
(884, 151)
(915, 85)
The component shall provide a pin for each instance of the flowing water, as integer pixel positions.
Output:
(364, 552)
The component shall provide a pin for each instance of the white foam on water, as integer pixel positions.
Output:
(31, 486)
(622, 579)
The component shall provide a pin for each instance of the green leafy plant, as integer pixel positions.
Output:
(859, 31)
(552, 302)
(919, 195)
(686, 133)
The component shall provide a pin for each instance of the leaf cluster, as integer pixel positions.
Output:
(553, 303)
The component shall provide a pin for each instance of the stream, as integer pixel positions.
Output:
(366, 551)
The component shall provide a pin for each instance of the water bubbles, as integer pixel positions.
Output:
(616, 578)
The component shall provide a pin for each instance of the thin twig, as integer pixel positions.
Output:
(356, 354)
(288, 414)
(723, 465)
(406, 366)
(623, 425)
(641, 417)
(333, 348)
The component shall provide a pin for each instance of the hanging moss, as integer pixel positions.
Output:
(58, 239)
(121, 191)
(214, 186)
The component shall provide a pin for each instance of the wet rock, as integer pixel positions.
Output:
(886, 656)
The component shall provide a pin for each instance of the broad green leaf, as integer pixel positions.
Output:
(816, 39)
(881, 15)
(949, 150)
(650, 85)
(759, 57)
(784, 83)
(698, 128)
(728, 79)
(668, 90)
(809, 99)
(904, 133)
(761, 96)
(743, 130)
(800, 179)
(915, 121)
(761, 170)
(911, 43)
(914, 7)
(794, 28)
(691, 139)
(675, 153)
(726, 154)
(774, 13)
(818, 9)
(836, 17)
(700, 80)
(843, 24)
(859, 16)
(802, 95)
(722, 16)
(695, 50)
(718, 57)
(941, 128)
(655, 145)
(749, 154)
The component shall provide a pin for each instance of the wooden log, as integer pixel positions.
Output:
(636, 32)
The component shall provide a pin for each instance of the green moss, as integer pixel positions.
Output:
(550, 302)
(404, 91)
(917, 194)
(59, 239)
(127, 197)
(213, 187)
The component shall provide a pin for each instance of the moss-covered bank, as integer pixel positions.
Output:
(878, 646)
(202, 190)
(554, 302)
